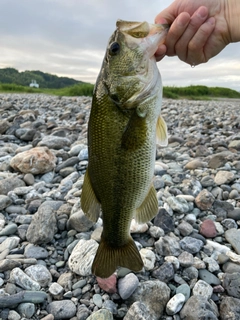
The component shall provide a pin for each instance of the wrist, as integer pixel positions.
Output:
(233, 19)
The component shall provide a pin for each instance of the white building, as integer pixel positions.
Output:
(34, 84)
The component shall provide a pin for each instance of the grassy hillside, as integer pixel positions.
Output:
(45, 80)
(199, 92)
(86, 89)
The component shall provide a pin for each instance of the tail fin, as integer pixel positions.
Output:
(108, 258)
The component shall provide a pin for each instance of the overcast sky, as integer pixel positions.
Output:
(69, 37)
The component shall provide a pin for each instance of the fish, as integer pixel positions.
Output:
(124, 126)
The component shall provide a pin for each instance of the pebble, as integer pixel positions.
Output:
(175, 304)
(208, 228)
(44, 233)
(127, 285)
(62, 309)
(202, 288)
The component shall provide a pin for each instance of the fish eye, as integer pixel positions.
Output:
(114, 48)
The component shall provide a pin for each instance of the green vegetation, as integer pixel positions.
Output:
(45, 80)
(82, 89)
(199, 92)
(11, 80)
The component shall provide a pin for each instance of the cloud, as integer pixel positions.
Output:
(69, 37)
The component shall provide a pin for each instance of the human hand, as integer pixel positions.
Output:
(199, 30)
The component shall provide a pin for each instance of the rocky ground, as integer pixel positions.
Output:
(191, 250)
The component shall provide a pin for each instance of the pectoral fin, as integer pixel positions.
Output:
(89, 202)
(149, 207)
(108, 258)
(162, 135)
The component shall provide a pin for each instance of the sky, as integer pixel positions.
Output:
(69, 38)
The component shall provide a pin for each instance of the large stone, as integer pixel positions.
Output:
(204, 200)
(231, 283)
(9, 184)
(198, 307)
(82, 256)
(44, 223)
(230, 308)
(54, 142)
(37, 160)
(224, 177)
(154, 295)
(233, 237)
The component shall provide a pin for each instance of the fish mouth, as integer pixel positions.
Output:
(145, 35)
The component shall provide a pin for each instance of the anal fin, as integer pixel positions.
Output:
(108, 258)
(89, 202)
(149, 207)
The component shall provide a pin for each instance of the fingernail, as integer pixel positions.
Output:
(202, 12)
(211, 21)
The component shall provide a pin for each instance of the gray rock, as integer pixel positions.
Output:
(179, 205)
(233, 237)
(197, 307)
(79, 222)
(40, 274)
(208, 277)
(191, 245)
(32, 251)
(138, 311)
(62, 309)
(5, 201)
(148, 294)
(26, 309)
(54, 142)
(230, 267)
(127, 285)
(10, 229)
(185, 228)
(10, 184)
(229, 308)
(203, 289)
(231, 283)
(97, 300)
(186, 259)
(82, 256)
(168, 246)
(185, 290)
(56, 290)
(164, 273)
(44, 223)
(9, 243)
(102, 314)
(20, 278)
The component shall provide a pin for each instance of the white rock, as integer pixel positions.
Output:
(20, 278)
(138, 228)
(202, 288)
(148, 258)
(175, 304)
(10, 243)
(56, 289)
(174, 261)
(81, 258)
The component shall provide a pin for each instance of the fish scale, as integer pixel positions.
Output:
(122, 144)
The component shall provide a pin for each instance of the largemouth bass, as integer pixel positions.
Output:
(123, 126)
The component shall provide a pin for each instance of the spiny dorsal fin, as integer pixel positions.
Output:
(108, 258)
(89, 202)
(162, 135)
(149, 207)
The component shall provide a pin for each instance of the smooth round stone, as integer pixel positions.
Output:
(202, 288)
(127, 285)
(27, 310)
(175, 304)
(103, 314)
(62, 309)
(97, 300)
(10, 229)
(208, 277)
(148, 258)
(185, 290)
